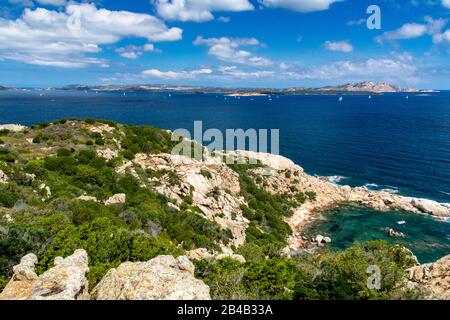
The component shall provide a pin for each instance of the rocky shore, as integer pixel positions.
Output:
(277, 175)
(162, 278)
(210, 188)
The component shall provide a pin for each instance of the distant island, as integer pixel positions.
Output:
(365, 87)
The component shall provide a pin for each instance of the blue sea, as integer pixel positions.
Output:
(391, 141)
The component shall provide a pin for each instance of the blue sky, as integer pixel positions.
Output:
(232, 43)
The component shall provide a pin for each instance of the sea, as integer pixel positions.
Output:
(398, 141)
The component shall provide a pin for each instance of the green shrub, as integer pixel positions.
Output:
(343, 275)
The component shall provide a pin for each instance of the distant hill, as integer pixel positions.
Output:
(368, 86)
(358, 87)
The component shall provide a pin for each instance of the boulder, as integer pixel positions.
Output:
(65, 281)
(327, 239)
(394, 234)
(433, 277)
(116, 199)
(3, 177)
(107, 154)
(162, 278)
(87, 198)
(430, 207)
(319, 238)
(204, 254)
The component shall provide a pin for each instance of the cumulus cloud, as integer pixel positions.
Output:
(229, 50)
(375, 68)
(63, 39)
(235, 72)
(446, 3)
(198, 10)
(442, 37)
(341, 46)
(414, 30)
(56, 3)
(299, 5)
(134, 52)
(31, 3)
(176, 75)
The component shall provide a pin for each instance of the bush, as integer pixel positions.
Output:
(7, 155)
(267, 279)
(343, 275)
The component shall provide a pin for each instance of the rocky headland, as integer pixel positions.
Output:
(211, 189)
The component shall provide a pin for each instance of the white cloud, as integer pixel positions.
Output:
(41, 36)
(358, 22)
(134, 52)
(442, 37)
(341, 46)
(224, 19)
(299, 5)
(381, 69)
(56, 3)
(198, 10)
(176, 75)
(30, 3)
(414, 30)
(446, 3)
(234, 72)
(228, 50)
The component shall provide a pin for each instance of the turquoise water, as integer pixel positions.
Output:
(426, 237)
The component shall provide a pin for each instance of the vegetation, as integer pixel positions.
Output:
(323, 275)
(47, 178)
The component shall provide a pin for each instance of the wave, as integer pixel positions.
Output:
(336, 179)
(444, 192)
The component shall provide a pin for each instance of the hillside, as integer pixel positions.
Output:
(104, 195)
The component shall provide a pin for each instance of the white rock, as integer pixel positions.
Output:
(65, 281)
(12, 127)
(107, 154)
(116, 199)
(319, 238)
(430, 207)
(162, 278)
(3, 177)
(87, 198)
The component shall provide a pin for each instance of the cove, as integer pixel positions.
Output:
(426, 237)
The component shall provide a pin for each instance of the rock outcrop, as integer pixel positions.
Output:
(116, 199)
(213, 185)
(432, 277)
(3, 177)
(204, 254)
(215, 188)
(162, 278)
(65, 281)
(13, 127)
(394, 234)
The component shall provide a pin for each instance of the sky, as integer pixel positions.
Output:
(228, 43)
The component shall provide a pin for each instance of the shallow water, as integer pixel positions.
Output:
(426, 237)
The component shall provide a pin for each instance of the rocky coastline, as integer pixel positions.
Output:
(214, 188)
